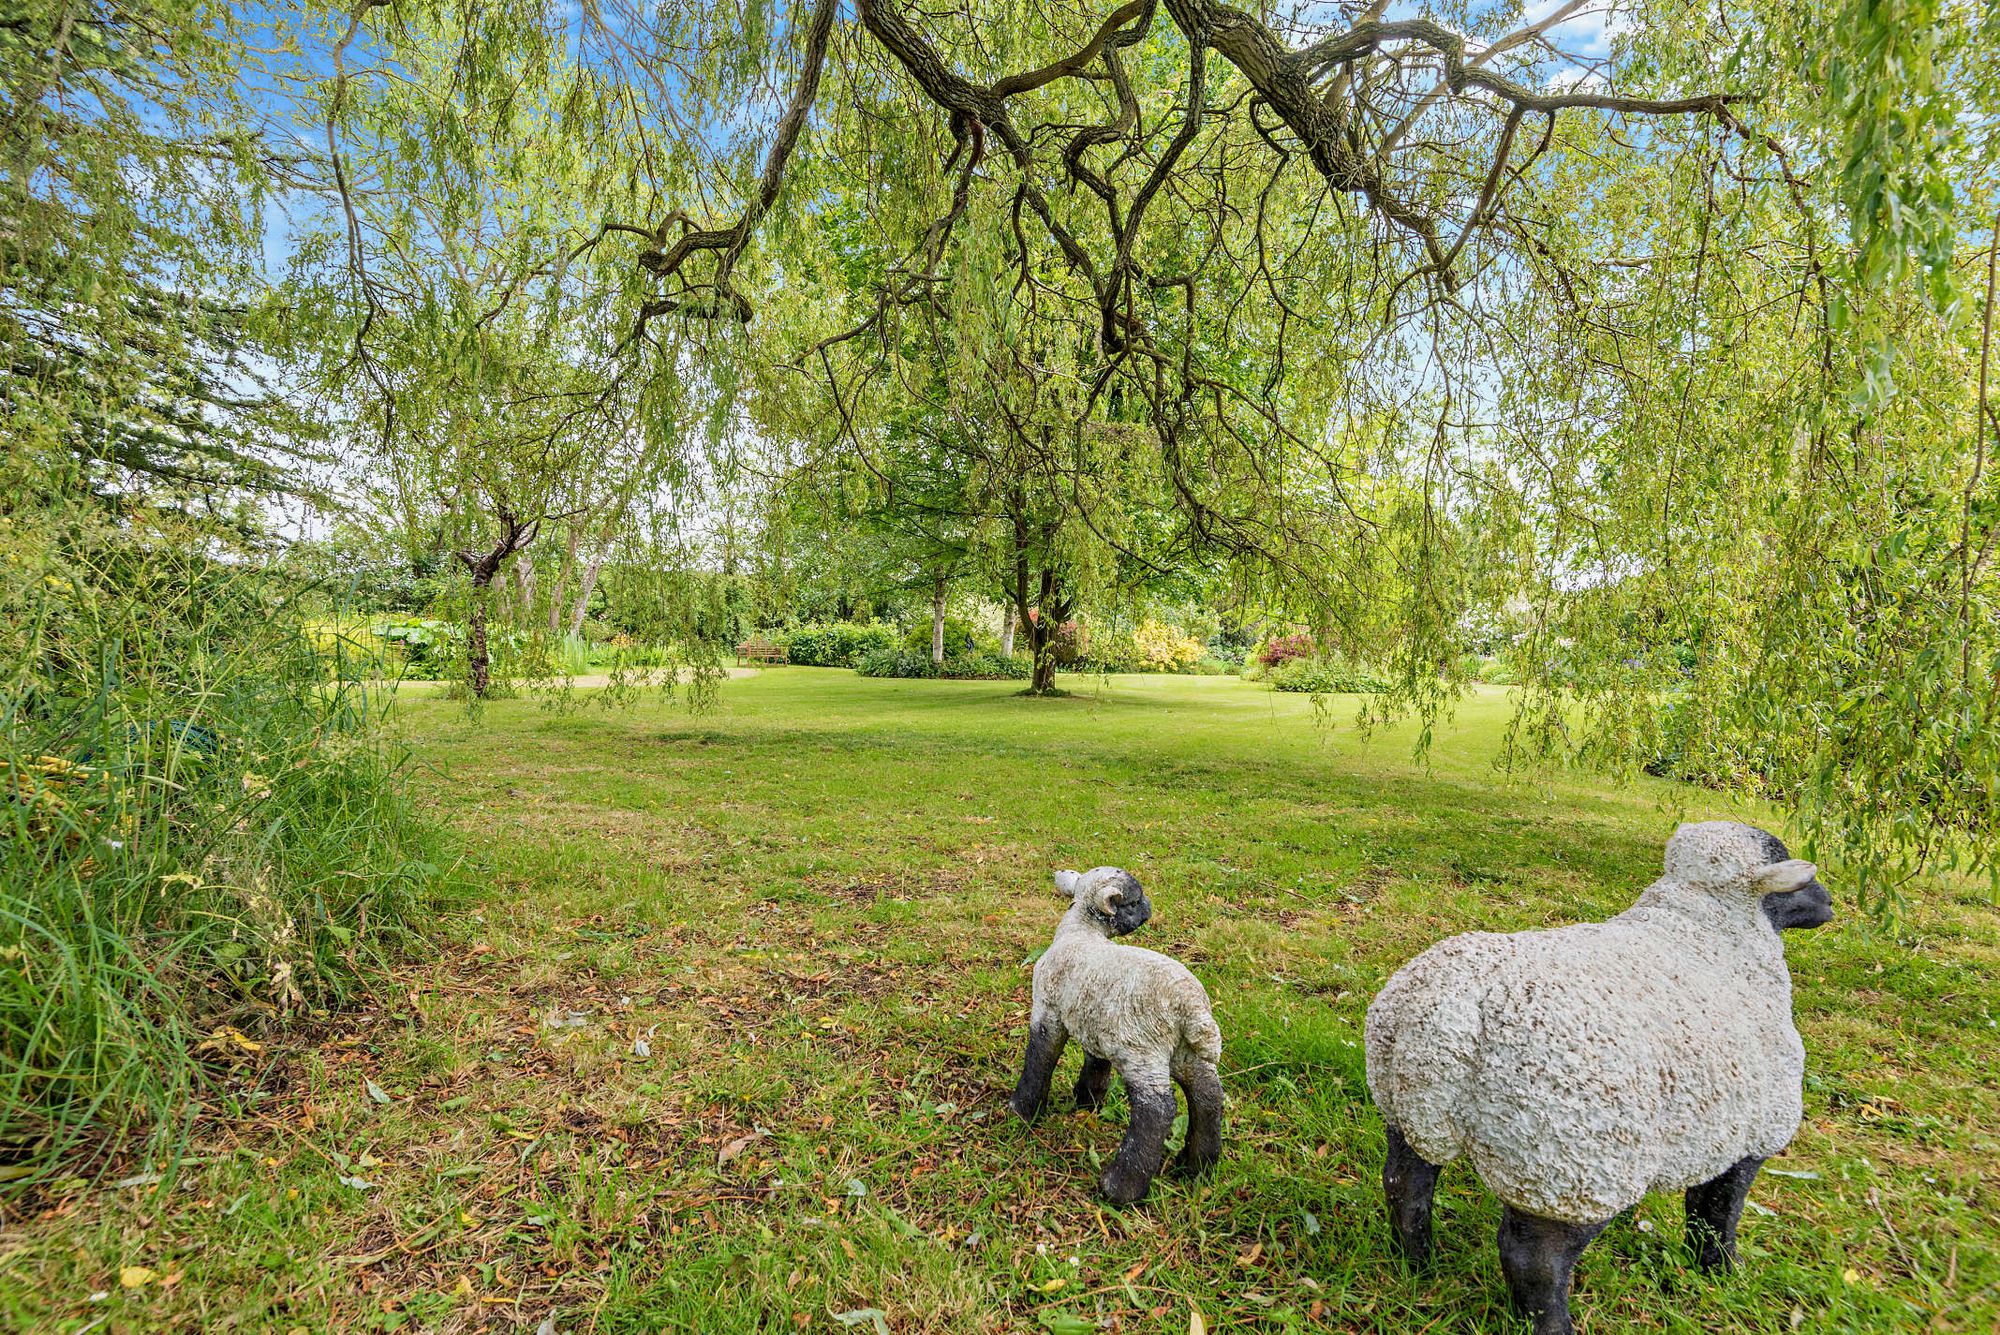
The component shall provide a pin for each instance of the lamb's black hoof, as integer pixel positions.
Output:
(1710, 1259)
(1193, 1167)
(1093, 1084)
(1416, 1256)
(1123, 1188)
(1027, 1112)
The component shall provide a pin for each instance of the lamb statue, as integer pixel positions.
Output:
(1132, 1009)
(1582, 1067)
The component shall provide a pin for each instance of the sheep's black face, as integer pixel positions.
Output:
(1132, 908)
(1808, 906)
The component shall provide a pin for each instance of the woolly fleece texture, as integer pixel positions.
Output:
(1136, 1008)
(1583, 1066)
(1132, 1009)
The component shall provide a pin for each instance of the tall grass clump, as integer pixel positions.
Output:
(201, 841)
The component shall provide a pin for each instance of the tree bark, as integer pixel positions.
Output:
(1007, 632)
(583, 594)
(558, 596)
(937, 620)
(478, 661)
(1044, 679)
(524, 583)
(1045, 670)
(515, 535)
(1051, 613)
(1033, 620)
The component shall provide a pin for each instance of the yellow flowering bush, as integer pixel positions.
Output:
(1152, 646)
(1165, 648)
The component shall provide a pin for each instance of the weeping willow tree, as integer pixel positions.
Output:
(453, 310)
(1652, 332)
(955, 432)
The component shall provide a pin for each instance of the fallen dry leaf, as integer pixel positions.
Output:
(736, 1147)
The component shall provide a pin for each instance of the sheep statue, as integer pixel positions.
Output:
(1582, 1067)
(1132, 1009)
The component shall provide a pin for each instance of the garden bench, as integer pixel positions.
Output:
(757, 649)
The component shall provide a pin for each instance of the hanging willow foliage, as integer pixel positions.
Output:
(1652, 346)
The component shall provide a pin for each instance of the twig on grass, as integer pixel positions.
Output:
(1909, 1266)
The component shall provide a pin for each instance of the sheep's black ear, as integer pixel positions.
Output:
(1116, 889)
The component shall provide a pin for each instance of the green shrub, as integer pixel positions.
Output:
(1225, 653)
(974, 666)
(200, 839)
(1697, 745)
(1320, 676)
(833, 643)
(427, 643)
(957, 630)
(625, 652)
(612, 651)
(1492, 669)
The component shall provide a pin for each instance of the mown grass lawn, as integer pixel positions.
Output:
(723, 1042)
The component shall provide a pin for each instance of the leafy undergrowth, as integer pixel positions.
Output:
(727, 1046)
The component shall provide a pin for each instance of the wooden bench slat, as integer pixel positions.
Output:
(757, 649)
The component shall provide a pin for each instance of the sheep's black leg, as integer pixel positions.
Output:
(1131, 1174)
(1538, 1256)
(1093, 1083)
(1046, 1038)
(1408, 1183)
(1713, 1210)
(1203, 1146)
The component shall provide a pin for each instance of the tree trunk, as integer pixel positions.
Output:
(1041, 621)
(1007, 632)
(478, 662)
(1036, 622)
(937, 621)
(583, 595)
(515, 535)
(524, 583)
(558, 595)
(1051, 613)
(1044, 679)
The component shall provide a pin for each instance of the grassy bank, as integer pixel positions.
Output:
(202, 841)
(726, 1042)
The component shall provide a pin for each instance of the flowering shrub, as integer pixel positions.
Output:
(1282, 649)
(1165, 648)
(1154, 646)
